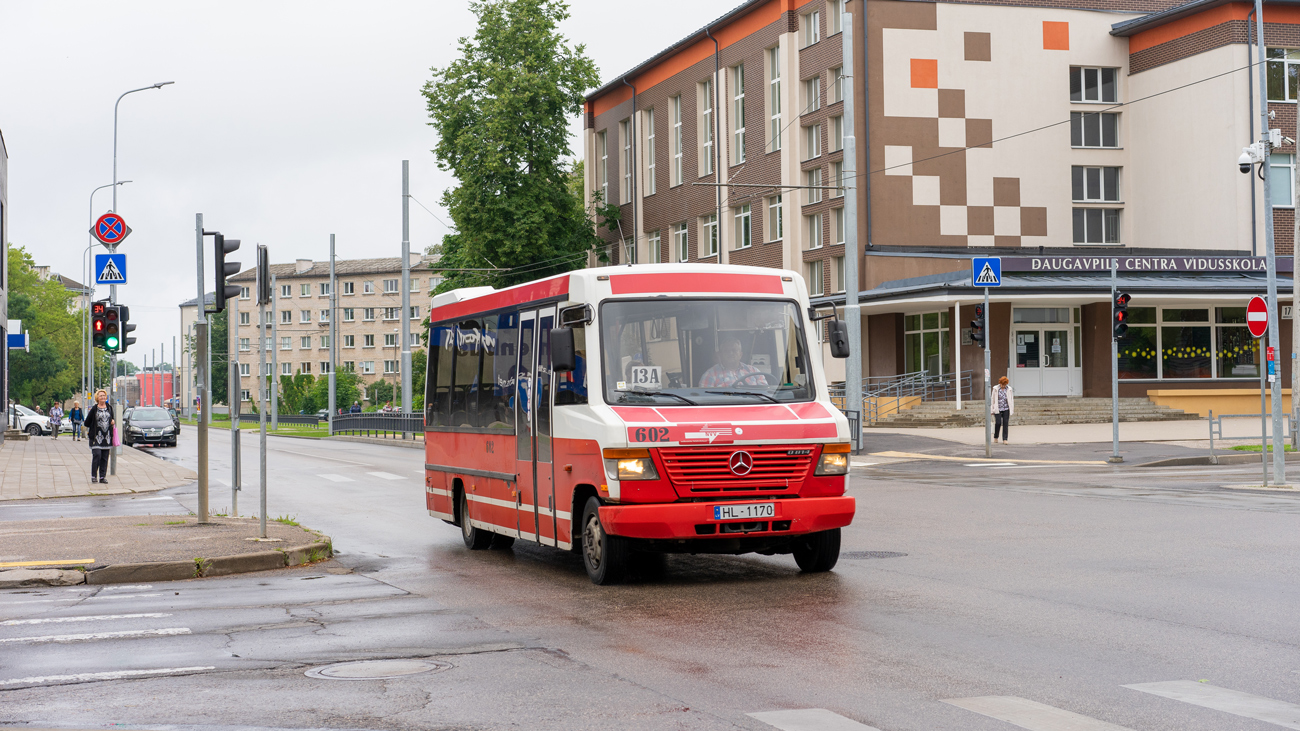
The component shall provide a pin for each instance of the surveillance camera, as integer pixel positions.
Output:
(1244, 162)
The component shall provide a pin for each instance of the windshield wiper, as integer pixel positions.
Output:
(662, 393)
(745, 393)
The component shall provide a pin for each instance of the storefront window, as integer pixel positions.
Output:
(926, 343)
(1238, 353)
(1183, 343)
(1137, 353)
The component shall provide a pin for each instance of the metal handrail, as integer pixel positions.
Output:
(883, 395)
(380, 424)
(1289, 429)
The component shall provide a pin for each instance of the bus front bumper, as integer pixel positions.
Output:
(696, 520)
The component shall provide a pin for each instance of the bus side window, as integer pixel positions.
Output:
(465, 381)
(485, 408)
(503, 369)
(442, 387)
(571, 387)
(431, 375)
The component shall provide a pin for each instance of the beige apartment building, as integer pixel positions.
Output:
(369, 317)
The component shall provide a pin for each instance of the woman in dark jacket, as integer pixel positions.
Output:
(100, 427)
(78, 417)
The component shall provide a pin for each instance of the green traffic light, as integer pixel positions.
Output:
(112, 343)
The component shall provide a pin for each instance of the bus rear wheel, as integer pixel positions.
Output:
(476, 539)
(817, 552)
(604, 556)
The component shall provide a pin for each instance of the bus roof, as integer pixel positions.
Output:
(621, 280)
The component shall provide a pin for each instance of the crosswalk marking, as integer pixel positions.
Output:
(101, 635)
(113, 675)
(336, 478)
(79, 597)
(100, 618)
(1034, 716)
(1281, 713)
(810, 719)
(990, 464)
(386, 475)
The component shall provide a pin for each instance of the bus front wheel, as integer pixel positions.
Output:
(817, 552)
(604, 556)
(476, 539)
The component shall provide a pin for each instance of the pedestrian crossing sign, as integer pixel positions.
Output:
(986, 271)
(110, 268)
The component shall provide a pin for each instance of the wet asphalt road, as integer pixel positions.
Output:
(1055, 584)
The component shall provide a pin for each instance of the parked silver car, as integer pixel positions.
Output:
(28, 420)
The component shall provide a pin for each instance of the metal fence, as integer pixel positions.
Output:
(884, 396)
(310, 420)
(380, 424)
(1289, 430)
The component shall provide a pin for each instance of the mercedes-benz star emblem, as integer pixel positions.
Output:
(741, 463)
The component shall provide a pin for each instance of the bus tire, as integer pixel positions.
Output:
(604, 556)
(476, 539)
(817, 552)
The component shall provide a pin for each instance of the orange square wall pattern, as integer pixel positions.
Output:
(1056, 35)
(925, 73)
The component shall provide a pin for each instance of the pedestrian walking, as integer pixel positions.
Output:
(100, 426)
(77, 416)
(56, 419)
(1002, 403)
(356, 407)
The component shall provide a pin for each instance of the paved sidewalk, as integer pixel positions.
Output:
(1129, 431)
(42, 467)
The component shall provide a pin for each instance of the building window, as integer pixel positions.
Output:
(349, 288)
(245, 395)
(243, 293)
(812, 95)
(286, 369)
(415, 285)
(1281, 169)
(324, 315)
(1093, 85)
(324, 289)
(390, 340)
(681, 242)
(413, 340)
(243, 344)
(415, 312)
(812, 141)
(304, 341)
(775, 219)
(1283, 74)
(650, 151)
(367, 287)
(837, 176)
(324, 341)
(349, 341)
(286, 290)
(368, 314)
(368, 341)
(814, 224)
(304, 316)
(1178, 343)
(324, 367)
(1094, 129)
(837, 133)
(629, 250)
(706, 128)
(813, 179)
(1096, 225)
(243, 318)
(811, 32)
(392, 286)
(367, 367)
(838, 213)
(602, 170)
(655, 256)
(738, 114)
(709, 232)
(286, 317)
(390, 367)
(244, 369)
(834, 16)
(839, 274)
(926, 343)
(744, 233)
(1095, 184)
(350, 365)
(390, 313)
(813, 273)
(774, 98)
(837, 84)
(286, 343)
(625, 134)
(349, 314)
(304, 290)
(676, 104)
(306, 367)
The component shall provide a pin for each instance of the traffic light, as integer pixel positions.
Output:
(1121, 314)
(222, 246)
(112, 329)
(124, 328)
(98, 312)
(977, 326)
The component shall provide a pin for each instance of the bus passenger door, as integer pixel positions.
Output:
(525, 426)
(544, 486)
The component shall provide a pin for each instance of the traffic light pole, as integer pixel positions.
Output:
(1114, 366)
(234, 398)
(200, 373)
(988, 387)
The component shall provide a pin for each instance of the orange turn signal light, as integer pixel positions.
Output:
(626, 453)
(844, 448)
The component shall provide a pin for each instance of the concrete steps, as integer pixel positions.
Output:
(1033, 411)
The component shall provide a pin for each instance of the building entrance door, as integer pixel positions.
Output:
(1045, 357)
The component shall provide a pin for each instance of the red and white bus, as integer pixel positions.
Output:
(661, 408)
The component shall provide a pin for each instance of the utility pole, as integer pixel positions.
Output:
(1274, 330)
(852, 249)
(234, 397)
(406, 289)
(200, 379)
(263, 287)
(275, 360)
(332, 302)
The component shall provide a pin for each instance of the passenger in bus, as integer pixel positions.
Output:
(730, 371)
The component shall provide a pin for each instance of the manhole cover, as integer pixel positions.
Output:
(376, 669)
(871, 554)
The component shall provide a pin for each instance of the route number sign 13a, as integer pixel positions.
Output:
(647, 377)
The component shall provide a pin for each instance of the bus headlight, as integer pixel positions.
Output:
(630, 464)
(834, 461)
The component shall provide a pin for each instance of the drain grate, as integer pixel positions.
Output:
(871, 554)
(376, 669)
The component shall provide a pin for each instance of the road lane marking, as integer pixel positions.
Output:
(1034, 716)
(336, 478)
(114, 675)
(69, 562)
(166, 631)
(917, 455)
(123, 596)
(99, 618)
(990, 464)
(1280, 713)
(321, 456)
(127, 587)
(386, 475)
(810, 719)
(79, 597)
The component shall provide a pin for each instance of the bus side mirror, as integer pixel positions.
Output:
(839, 338)
(563, 357)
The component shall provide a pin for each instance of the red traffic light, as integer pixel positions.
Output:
(97, 308)
(1122, 299)
(1121, 316)
(99, 326)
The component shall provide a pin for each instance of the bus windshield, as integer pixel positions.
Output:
(683, 352)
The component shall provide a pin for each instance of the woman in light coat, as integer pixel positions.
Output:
(1002, 403)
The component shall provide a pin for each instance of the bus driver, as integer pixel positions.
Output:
(729, 371)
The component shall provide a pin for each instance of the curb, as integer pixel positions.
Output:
(1229, 458)
(408, 443)
(132, 573)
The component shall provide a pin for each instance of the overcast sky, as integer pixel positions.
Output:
(288, 121)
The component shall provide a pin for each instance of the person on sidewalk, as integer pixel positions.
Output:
(356, 408)
(1002, 403)
(100, 426)
(77, 416)
(56, 419)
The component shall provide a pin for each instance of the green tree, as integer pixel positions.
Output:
(50, 369)
(381, 392)
(346, 390)
(502, 112)
(419, 366)
(294, 392)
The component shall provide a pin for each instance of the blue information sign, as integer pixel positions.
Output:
(986, 271)
(110, 268)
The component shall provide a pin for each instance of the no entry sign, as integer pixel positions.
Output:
(110, 229)
(1257, 316)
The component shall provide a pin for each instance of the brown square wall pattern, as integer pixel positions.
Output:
(978, 47)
